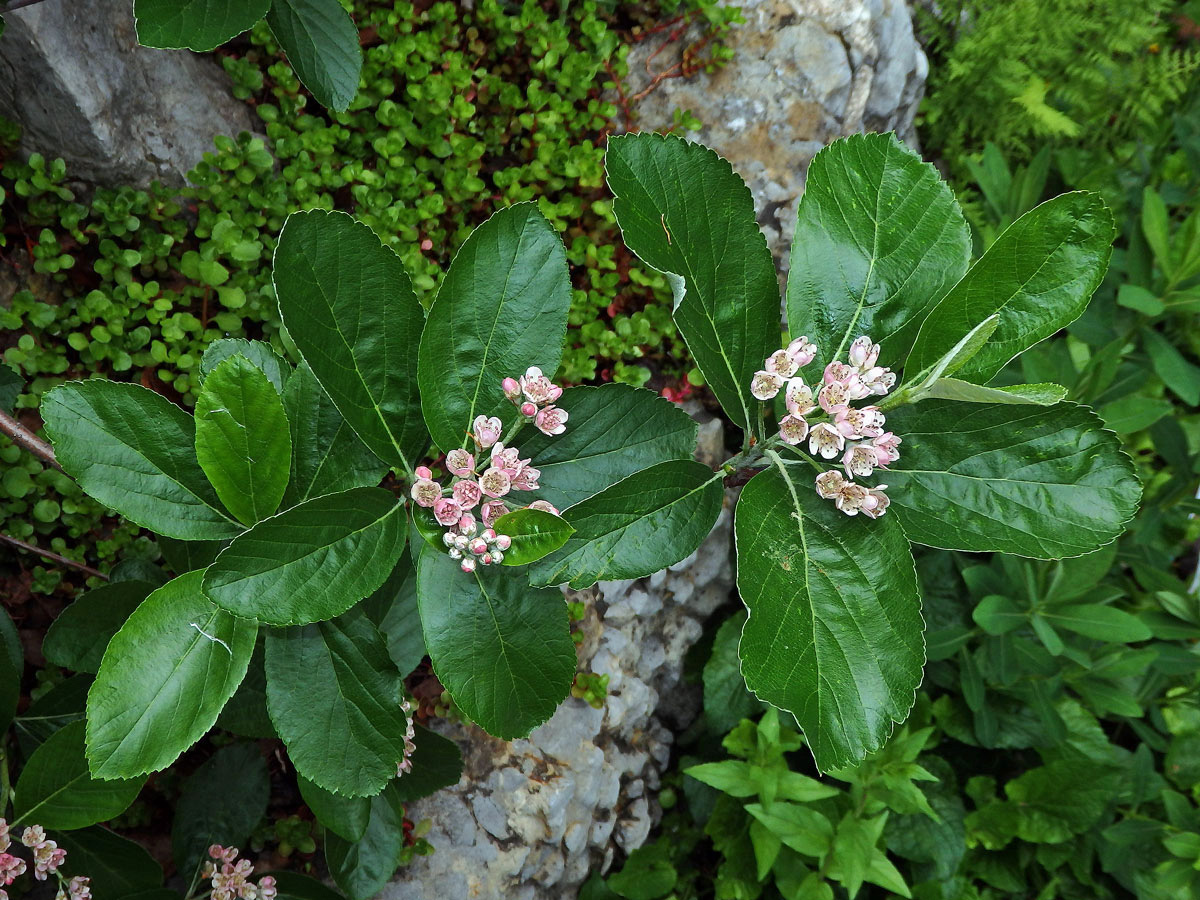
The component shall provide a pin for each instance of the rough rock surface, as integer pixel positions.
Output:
(804, 72)
(530, 818)
(74, 77)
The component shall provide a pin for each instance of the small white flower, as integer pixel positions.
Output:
(798, 398)
(879, 380)
(851, 498)
(833, 396)
(825, 440)
(863, 353)
(765, 385)
(859, 459)
(829, 484)
(885, 448)
(802, 350)
(877, 502)
(781, 363)
(793, 430)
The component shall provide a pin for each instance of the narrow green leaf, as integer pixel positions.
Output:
(1102, 623)
(132, 450)
(242, 439)
(800, 827)
(1038, 276)
(221, 803)
(77, 638)
(199, 25)
(361, 869)
(1019, 394)
(501, 648)
(56, 790)
(321, 42)
(511, 272)
(879, 240)
(951, 361)
(311, 562)
(614, 431)
(1181, 376)
(346, 817)
(349, 306)
(260, 353)
(1045, 483)
(1156, 228)
(334, 696)
(646, 522)
(165, 676)
(997, 614)
(835, 630)
(534, 534)
(327, 456)
(684, 211)
(116, 866)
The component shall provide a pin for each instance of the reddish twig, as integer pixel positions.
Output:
(26, 439)
(49, 554)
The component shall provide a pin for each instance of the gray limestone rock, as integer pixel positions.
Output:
(73, 76)
(804, 72)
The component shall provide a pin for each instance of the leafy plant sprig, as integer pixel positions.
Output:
(834, 634)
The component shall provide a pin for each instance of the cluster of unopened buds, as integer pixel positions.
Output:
(857, 433)
(47, 858)
(405, 764)
(230, 877)
(472, 541)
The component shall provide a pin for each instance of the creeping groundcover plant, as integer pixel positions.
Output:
(416, 483)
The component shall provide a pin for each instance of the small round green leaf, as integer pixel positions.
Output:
(534, 532)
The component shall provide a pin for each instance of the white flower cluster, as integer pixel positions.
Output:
(503, 471)
(857, 433)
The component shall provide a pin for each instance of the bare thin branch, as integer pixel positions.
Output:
(48, 554)
(23, 437)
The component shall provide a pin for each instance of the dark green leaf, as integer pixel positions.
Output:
(647, 875)
(1177, 373)
(1040, 482)
(182, 557)
(1038, 276)
(327, 456)
(879, 240)
(77, 638)
(346, 817)
(58, 707)
(56, 791)
(311, 562)
(614, 431)
(684, 211)
(165, 676)
(334, 696)
(199, 25)
(10, 692)
(117, 867)
(258, 352)
(242, 439)
(361, 869)
(1102, 623)
(640, 525)
(132, 450)
(436, 764)
(726, 700)
(511, 272)
(501, 648)
(534, 534)
(997, 614)
(293, 886)
(1134, 413)
(246, 712)
(11, 385)
(321, 42)
(349, 305)
(393, 609)
(221, 803)
(834, 634)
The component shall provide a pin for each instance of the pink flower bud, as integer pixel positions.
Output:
(487, 559)
(460, 462)
(488, 535)
(801, 350)
(487, 430)
(863, 353)
(877, 502)
(478, 546)
(551, 420)
(529, 409)
(447, 511)
(466, 524)
(503, 542)
(467, 493)
(467, 564)
(526, 479)
(511, 388)
(423, 473)
(495, 482)
(544, 506)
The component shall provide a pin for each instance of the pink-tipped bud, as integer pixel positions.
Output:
(528, 409)
(488, 535)
(487, 559)
(466, 524)
(467, 564)
(503, 542)
(511, 388)
(423, 473)
(479, 546)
